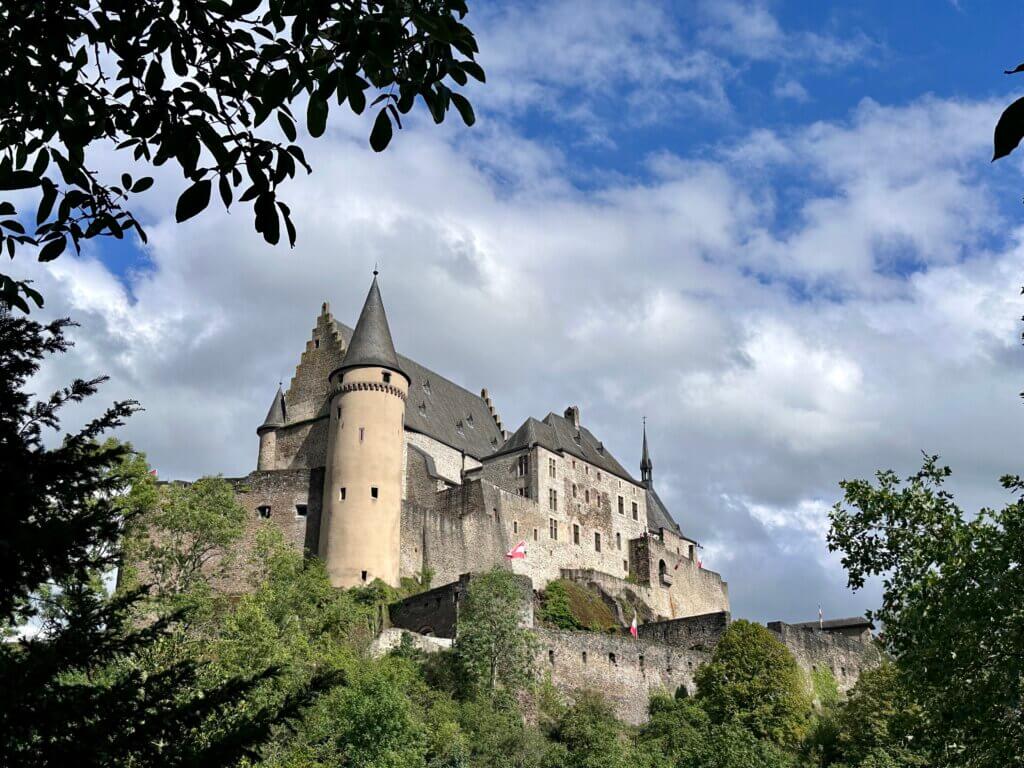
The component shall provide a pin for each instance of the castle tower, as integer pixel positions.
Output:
(268, 433)
(362, 508)
(646, 465)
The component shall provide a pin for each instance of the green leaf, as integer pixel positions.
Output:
(381, 134)
(53, 249)
(193, 200)
(287, 125)
(1009, 130)
(316, 116)
(465, 108)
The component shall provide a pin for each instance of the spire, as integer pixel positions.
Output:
(275, 416)
(371, 343)
(646, 465)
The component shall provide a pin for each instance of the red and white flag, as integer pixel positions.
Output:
(152, 472)
(700, 563)
(518, 552)
(632, 627)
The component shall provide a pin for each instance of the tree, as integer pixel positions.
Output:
(880, 722)
(681, 734)
(196, 82)
(587, 735)
(185, 536)
(753, 681)
(492, 646)
(75, 690)
(951, 605)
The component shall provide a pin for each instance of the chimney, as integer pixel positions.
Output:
(572, 413)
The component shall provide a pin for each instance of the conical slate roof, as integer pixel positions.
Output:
(275, 416)
(371, 343)
(646, 465)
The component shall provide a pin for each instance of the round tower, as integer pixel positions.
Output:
(268, 433)
(362, 506)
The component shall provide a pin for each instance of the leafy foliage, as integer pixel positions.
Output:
(587, 735)
(78, 690)
(753, 680)
(493, 648)
(568, 605)
(195, 83)
(950, 605)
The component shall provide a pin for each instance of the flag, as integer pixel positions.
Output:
(152, 472)
(700, 563)
(518, 552)
(820, 616)
(632, 627)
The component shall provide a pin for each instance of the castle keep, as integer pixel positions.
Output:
(386, 469)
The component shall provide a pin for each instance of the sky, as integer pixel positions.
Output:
(771, 228)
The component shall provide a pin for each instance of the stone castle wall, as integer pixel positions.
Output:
(814, 649)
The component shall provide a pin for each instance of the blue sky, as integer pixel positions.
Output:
(772, 228)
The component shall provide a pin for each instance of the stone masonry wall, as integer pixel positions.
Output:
(845, 657)
(625, 671)
(694, 632)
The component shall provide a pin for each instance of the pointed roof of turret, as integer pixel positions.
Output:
(371, 343)
(646, 465)
(275, 416)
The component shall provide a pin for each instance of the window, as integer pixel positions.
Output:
(636, 511)
(691, 551)
(374, 493)
(551, 467)
(264, 510)
(599, 476)
(641, 662)
(339, 413)
(515, 526)
(622, 506)
(597, 541)
(625, 565)
(387, 377)
(586, 495)
(575, 534)
(362, 433)
(525, 492)
(553, 528)
(574, 463)
(341, 494)
(586, 469)
(611, 659)
(597, 497)
(584, 657)
(316, 343)
(574, 490)
(551, 658)
(523, 465)
(300, 510)
(363, 576)
(552, 499)
(618, 541)
(534, 534)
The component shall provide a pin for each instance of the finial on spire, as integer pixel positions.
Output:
(375, 272)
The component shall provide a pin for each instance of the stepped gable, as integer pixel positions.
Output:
(558, 434)
(441, 409)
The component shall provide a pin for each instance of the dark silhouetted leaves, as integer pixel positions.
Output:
(465, 108)
(53, 249)
(193, 200)
(316, 116)
(380, 136)
(1009, 130)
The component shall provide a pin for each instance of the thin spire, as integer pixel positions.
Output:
(276, 414)
(371, 343)
(646, 465)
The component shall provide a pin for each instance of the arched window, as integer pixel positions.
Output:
(663, 573)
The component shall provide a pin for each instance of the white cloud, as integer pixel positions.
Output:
(683, 297)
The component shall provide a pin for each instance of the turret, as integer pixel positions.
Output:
(646, 465)
(362, 507)
(268, 432)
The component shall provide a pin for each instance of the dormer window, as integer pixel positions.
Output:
(469, 420)
(387, 377)
(423, 409)
(426, 386)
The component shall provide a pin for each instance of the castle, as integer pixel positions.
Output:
(395, 470)
(385, 469)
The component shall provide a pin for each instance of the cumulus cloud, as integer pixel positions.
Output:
(788, 309)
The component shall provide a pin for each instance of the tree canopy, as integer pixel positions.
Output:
(214, 87)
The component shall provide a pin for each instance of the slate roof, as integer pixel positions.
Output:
(370, 343)
(441, 409)
(852, 622)
(275, 416)
(658, 515)
(557, 433)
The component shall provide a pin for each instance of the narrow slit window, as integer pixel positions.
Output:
(362, 434)
(618, 541)
(300, 510)
(515, 526)
(374, 492)
(597, 541)
(636, 510)
(341, 494)
(575, 534)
